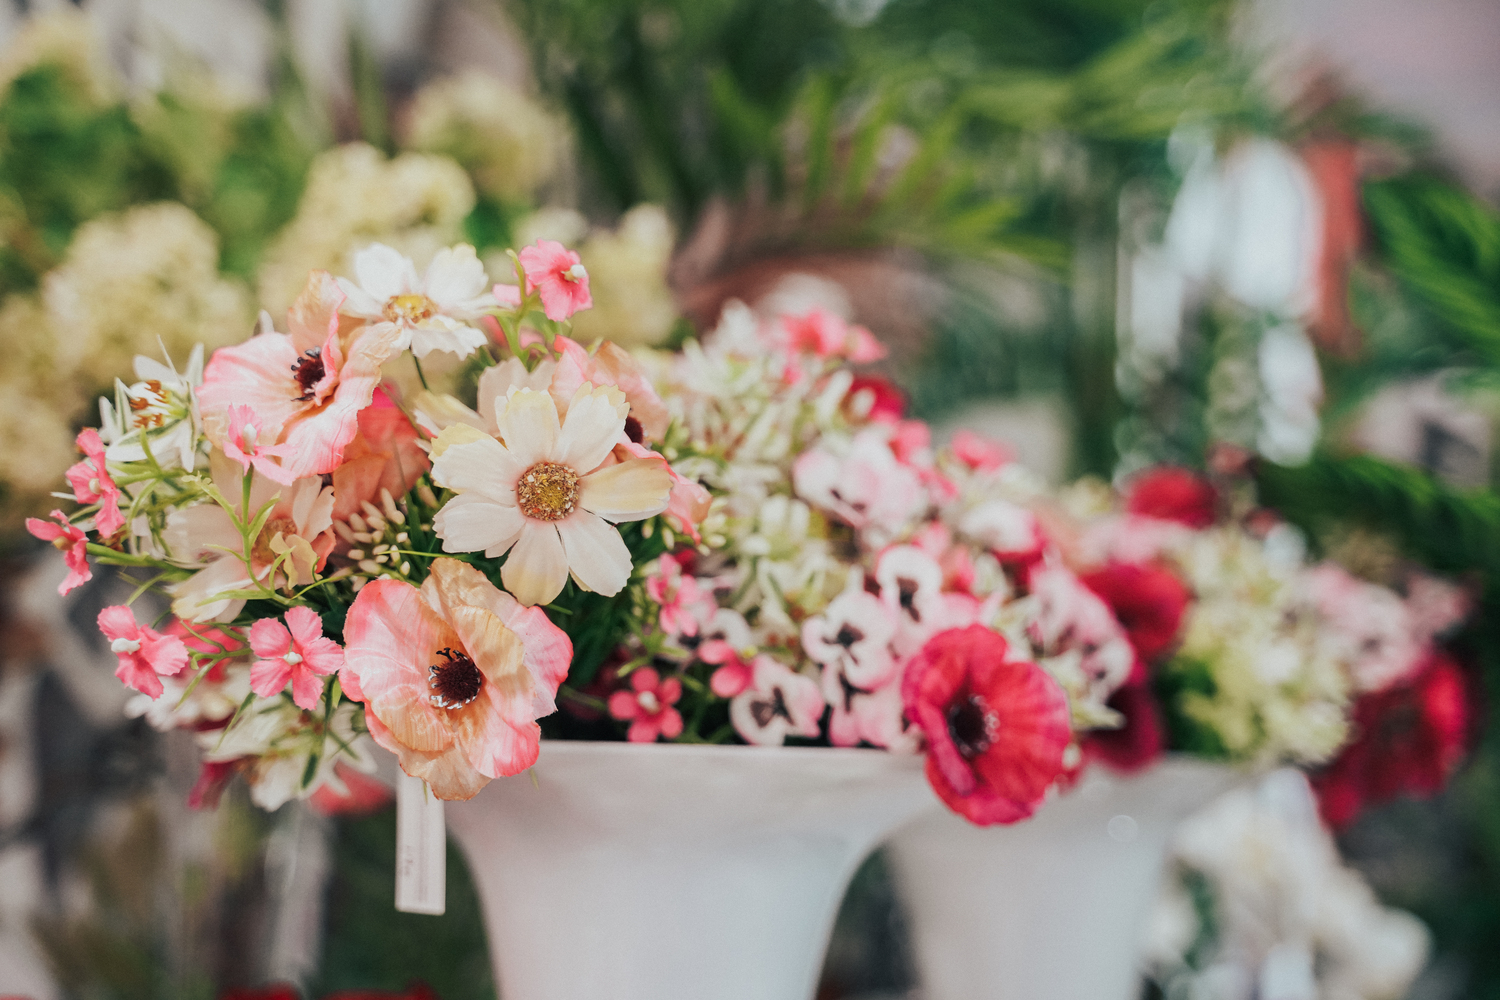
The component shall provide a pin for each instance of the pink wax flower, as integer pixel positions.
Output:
(648, 706)
(71, 541)
(305, 388)
(91, 483)
(826, 335)
(779, 703)
(453, 675)
(297, 652)
(244, 444)
(996, 726)
(979, 454)
(559, 276)
(145, 655)
(682, 602)
(733, 676)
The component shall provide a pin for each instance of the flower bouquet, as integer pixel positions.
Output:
(739, 542)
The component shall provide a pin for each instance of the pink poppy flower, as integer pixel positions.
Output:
(434, 312)
(979, 454)
(648, 706)
(91, 483)
(779, 703)
(305, 388)
(558, 276)
(996, 727)
(826, 335)
(545, 495)
(453, 676)
(296, 651)
(145, 655)
(71, 541)
(243, 445)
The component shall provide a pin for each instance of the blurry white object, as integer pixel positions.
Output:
(1292, 389)
(1051, 908)
(1293, 923)
(654, 871)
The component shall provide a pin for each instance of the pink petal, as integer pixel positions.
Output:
(305, 626)
(306, 689)
(644, 730)
(118, 622)
(322, 655)
(269, 638)
(622, 705)
(269, 677)
(670, 722)
(165, 653)
(133, 672)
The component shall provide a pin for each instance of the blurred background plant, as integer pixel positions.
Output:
(1113, 232)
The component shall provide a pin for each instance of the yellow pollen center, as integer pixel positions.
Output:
(547, 491)
(409, 308)
(261, 552)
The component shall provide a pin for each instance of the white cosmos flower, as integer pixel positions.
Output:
(434, 312)
(545, 492)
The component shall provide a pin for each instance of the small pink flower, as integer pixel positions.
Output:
(560, 277)
(853, 635)
(296, 652)
(865, 486)
(779, 703)
(71, 541)
(825, 335)
(243, 445)
(682, 602)
(92, 484)
(979, 454)
(145, 654)
(733, 677)
(648, 706)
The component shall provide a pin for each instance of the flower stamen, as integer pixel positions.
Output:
(308, 370)
(456, 682)
(548, 491)
(972, 725)
(409, 308)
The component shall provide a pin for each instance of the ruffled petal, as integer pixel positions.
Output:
(455, 276)
(384, 272)
(596, 553)
(529, 427)
(268, 677)
(537, 567)
(628, 491)
(118, 622)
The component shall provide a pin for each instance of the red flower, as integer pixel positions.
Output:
(558, 276)
(1409, 741)
(887, 400)
(365, 794)
(1147, 600)
(1135, 744)
(996, 727)
(1174, 494)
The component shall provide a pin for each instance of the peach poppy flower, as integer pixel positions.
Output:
(542, 494)
(306, 388)
(453, 675)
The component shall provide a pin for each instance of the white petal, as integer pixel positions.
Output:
(528, 424)
(595, 420)
(455, 276)
(596, 553)
(470, 523)
(357, 301)
(480, 466)
(443, 334)
(498, 380)
(384, 272)
(537, 567)
(629, 491)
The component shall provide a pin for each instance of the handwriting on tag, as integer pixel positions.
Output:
(421, 848)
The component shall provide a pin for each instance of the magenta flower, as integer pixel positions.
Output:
(71, 541)
(559, 276)
(145, 654)
(296, 652)
(92, 484)
(648, 706)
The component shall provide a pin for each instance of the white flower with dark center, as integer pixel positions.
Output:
(543, 493)
(853, 635)
(778, 703)
(434, 312)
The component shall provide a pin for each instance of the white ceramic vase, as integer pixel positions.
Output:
(667, 872)
(1051, 908)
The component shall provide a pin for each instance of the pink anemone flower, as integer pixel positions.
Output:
(996, 726)
(91, 483)
(305, 388)
(558, 276)
(296, 652)
(648, 706)
(453, 675)
(145, 654)
(71, 541)
(778, 703)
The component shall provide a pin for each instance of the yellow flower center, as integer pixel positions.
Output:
(261, 552)
(409, 308)
(548, 491)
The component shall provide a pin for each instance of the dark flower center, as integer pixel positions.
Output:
(634, 430)
(763, 711)
(972, 726)
(848, 636)
(308, 370)
(908, 591)
(455, 682)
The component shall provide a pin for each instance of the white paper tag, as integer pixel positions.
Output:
(421, 848)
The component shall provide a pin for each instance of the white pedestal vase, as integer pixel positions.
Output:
(666, 872)
(1051, 908)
